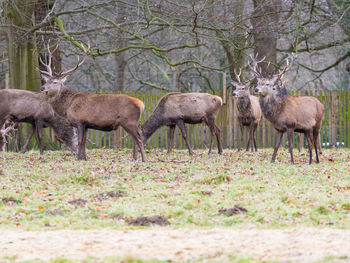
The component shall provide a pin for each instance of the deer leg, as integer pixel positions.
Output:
(309, 139)
(240, 142)
(39, 133)
(250, 138)
(317, 142)
(84, 143)
(140, 144)
(181, 125)
(82, 134)
(254, 137)
(218, 138)
(134, 152)
(290, 143)
(171, 137)
(29, 136)
(277, 145)
(214, 130)
(212, 134)
(134, 132)
(15, 140)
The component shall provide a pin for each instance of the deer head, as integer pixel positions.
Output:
(271, 85)
(55, 83)
(241, 89)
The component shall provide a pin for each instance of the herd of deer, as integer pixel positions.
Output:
(70, 113)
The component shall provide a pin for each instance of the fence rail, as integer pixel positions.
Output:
(334, 132)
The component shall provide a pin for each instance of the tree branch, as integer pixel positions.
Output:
(330, 66)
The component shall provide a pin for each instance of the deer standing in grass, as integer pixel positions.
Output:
(31, 107)
(176, 109)
(84, 110)
(287, 113)
(249, 112)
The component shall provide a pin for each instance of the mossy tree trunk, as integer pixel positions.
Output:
(22, 50)
(23, 53)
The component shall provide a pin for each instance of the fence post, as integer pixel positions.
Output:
(333, 118)
(224, 87)
(7, 81)
(230, 116)
(235, 133)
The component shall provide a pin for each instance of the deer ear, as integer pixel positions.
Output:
(44, 77)
(63, 80)
(234, 83)
(275, 79)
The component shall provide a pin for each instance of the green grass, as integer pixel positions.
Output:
(189, 191)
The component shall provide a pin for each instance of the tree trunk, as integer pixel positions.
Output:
(265, 23)
(120, 58)
(22, 50)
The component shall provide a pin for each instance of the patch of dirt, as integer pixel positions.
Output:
(110, 194)
(185, 245)
(79, 202)
(149, 221)
(117, 217)
(210, 193)
(10, 201)
(237, 209)
(55, 212)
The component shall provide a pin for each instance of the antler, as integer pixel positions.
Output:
(286, 68)
(5, 132)
(48, 65)
(238, 75)
(86, 52)
(255, 67)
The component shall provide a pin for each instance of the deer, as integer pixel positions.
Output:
(248, 109)
(32, 107)
(176, 109)
(84, 110)
(288, 114)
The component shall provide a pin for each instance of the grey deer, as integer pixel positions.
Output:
(249, 111)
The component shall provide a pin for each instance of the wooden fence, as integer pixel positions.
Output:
(334, 132)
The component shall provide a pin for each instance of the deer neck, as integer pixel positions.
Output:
(61, 100)
(63, 130)
(154, 122)
(271, 107)
(244, 105)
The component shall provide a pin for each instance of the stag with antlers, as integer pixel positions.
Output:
(249, 112)
(85, 110)
(302, 114)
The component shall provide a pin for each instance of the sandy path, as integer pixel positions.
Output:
(302, 245)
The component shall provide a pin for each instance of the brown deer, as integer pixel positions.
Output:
(249, 112)
(176, 109)
(31, 107)
(287, 113)
(85, 110)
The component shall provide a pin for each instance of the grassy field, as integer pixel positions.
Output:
(54, 191)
